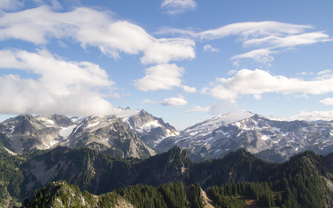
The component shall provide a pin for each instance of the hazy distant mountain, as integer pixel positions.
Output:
(269, 138)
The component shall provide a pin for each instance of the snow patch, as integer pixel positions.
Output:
(273, 118)
(50, 121)
(226, 134)
(179, 140)
(205, 140)
(170, 133)
(265, 137)
(156, 142)
(238, 124)
(12, 129)
(9, 151)
(54, 142)
(206, 127)
(66, 131)
(149, 126)
(92, 125)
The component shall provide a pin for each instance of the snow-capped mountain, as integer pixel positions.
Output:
(127, 136)
(151, 129)
(108, 133)
(25, 132)
(137, 135)
(268, 138)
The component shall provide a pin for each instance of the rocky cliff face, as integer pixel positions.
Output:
(269, 139)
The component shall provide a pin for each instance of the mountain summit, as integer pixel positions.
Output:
(129, 136)
(151, 129)
(26, 133)
(268, 138)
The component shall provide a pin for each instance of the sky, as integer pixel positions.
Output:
(181, 60)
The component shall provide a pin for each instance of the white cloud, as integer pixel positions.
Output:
(325, 72)
(263, 38)
(236, 63)
(220, 92)
(178, 6)
(217, 108)
(259, 55)
(274, 41)
(257, 82)
(314, 116)
(209, 48)
(149, 101)
(304, 73)
(90, 27)
(327, 101)
(189, 89)
(55, 4)
(199, 109)
(232, 72)
(11, 4)
(166, 50)
(174, 101)
(248, 31)
(160, 77)
(64, 87)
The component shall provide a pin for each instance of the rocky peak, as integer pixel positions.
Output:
(27, 117)
(61, 120)
(271, 139)
(179, 158)
(102, 132)
(25, 124)
(140, 119)
(152, 130)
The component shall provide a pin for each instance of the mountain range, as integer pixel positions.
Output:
(143, 135)
(129, 136)
(271, 138)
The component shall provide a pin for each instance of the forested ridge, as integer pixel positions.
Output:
(169, 179)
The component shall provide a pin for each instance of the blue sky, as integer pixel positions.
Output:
(181, 60)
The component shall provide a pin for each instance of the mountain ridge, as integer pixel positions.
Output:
(115, 135)
(274, 140)
(99, 173)
(140, 134)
